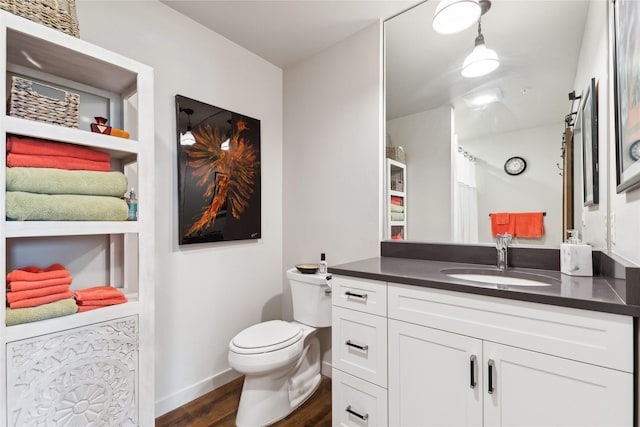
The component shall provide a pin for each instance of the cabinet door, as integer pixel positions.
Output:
(81, 377)
(535, 389)
(435, 377)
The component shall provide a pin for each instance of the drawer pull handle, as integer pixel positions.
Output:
(472, 369)
(358, 346)
(491, 387)
(327, 291)
(352, 294)
(364, 417)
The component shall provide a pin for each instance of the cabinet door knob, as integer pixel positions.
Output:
(491, 388)
(472, 370)
(358, 346)
(364, 417)
(354, 295)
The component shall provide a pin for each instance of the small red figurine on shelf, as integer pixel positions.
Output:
(101, 127)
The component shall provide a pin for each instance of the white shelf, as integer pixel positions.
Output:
(124, 258)
(395, 171)
(14, 229)
(62, 323)
(116, 147)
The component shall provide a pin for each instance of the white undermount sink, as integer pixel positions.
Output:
(496, 277)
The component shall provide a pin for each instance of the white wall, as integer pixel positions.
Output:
(591, 220)
(205, 293)
(426, 139)
(538, 188)
(332, 156)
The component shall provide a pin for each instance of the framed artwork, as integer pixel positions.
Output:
(218, 173)
(626, 17)
(589, 131)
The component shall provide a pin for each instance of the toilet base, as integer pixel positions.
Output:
(268, 398)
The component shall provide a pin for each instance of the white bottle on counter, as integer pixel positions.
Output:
(575, 257)
(323, 264)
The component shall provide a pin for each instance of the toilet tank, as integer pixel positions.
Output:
(311, 304)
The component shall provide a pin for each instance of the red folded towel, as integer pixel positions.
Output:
(33, 293)
(19, 286)
(529, 224)
(56, 162)
(98, 293)
(103, 302)
(502, 223)
(43, 147)
(396, 200)
(32, 272)
(33, 302)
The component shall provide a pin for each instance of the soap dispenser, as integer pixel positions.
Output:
(575, 257)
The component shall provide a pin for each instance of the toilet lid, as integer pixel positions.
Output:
(267, 336)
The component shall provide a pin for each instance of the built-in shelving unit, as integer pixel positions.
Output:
(395, 200)
(104, 356)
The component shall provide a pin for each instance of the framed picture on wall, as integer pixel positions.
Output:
(626, 17)
(590, 167)
(218, 173)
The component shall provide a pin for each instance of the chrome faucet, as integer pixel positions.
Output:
(502, 245)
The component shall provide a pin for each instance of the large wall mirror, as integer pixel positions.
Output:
(546, 50)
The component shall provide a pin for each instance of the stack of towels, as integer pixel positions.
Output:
(397, 209)
(38, 293)
(55, 181)
(100, 296)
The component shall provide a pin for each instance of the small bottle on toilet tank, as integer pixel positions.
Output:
(323, 264)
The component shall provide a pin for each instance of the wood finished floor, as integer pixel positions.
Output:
(218, 409)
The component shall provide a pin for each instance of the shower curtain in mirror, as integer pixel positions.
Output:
(465, 198)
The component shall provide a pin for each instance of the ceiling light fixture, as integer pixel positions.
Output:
(482, 60)
(483, 98)
(453, 16)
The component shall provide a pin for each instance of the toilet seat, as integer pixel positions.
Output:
(266, 337)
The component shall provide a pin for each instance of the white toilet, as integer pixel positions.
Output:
(281, 360)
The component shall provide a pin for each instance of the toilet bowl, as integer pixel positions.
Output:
(281, 360)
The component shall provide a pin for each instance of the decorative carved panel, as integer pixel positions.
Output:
(80, 377)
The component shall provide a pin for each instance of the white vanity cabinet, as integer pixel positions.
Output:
(359, 352)
(460, 359)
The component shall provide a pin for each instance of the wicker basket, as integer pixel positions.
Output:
(43, 103)
(396, 153)
(58, 14)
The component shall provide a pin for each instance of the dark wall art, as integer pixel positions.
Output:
(590, 163)
(218, 173)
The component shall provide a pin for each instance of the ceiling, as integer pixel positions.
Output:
(285, 32)
(538, 42)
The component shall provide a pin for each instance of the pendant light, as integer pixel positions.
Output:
(187, 138)
(453, 16)
(482, 60)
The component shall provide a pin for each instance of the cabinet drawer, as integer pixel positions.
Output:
(359, 344)
(365, 295)
(598, 338)
(356, 402)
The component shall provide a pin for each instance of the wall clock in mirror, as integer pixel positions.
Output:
(515, 165)
(634, 151)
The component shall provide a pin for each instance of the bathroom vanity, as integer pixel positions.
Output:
(413, 345)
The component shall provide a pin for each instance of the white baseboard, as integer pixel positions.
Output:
(194, 391)
(325, 369)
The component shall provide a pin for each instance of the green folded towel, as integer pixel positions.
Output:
(23, 206)
(59, 181)
(397, 216)
(397, 208)
(15, 316)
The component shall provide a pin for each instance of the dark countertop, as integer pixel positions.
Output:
(589, 293)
